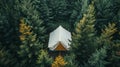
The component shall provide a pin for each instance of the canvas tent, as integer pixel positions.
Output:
(59, 39)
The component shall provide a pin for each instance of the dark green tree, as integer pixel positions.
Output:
(114, 56)
(9, 31)
(55, 13)
(106, 40)
(70, 59)
(43, 59)
(30, 46)
(105, 13)
(28, 11)
(83, 44)
(98, 58)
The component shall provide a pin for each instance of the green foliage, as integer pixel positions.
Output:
(29, 12)
(30, 46)
(70, 61)
(109, 31)
(43, 59)
(107, 35)
(114, 56)
(55, 13)
(106, 40)
(103, 7)
(105, 13)
(9, 32)
(91, 34)
(3, 60)
(6, 58)
(83, 44)
(98, 58)
(84, 6)
(8, 25)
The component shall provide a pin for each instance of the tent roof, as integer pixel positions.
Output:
(59, 35)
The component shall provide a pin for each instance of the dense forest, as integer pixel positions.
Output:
(25, 26)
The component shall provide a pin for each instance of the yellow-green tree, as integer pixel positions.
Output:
(107, 40)
(44, 60)
(30, 46)
(27, 10)
(59, 62)
(103, 55)
(83, 44)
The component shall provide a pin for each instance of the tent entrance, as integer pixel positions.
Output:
(60, 47)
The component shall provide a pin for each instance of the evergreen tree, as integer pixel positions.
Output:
(30, 46)
(8, 24)
(43, 59)
(6, 58)
(59, 62)
(28, 11)
(105, 13)
(70, 59)
(9, 31)
(98, 58)
(106, 39)
(114, 57)
(104, 8)
(3, 60)
(83, 44)
(117, 16)
(116, 9)
(107, 35)
(54, 13)
(81, 7)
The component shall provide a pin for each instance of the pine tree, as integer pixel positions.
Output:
(84, 6)
(70, 59)
(43, 59)
(107, 35)
(6, 57)
(103, 8)
(78, 8)
(59, 62)
(28, 11)
(3, 60)
(105, 13)
(54, 13)
(30, 46)
(9, 31)
(116, 11)
(98, 58)
(83, 44)
(114, 57)
(106, 40)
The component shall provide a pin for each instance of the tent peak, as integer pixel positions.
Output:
(59, 35)
(60, 26)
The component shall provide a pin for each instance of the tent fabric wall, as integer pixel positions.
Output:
(59, 35)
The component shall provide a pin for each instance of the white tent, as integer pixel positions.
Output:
(59, 35)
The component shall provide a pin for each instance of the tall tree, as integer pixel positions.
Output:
(55, 13)
(28, 11)
(106, 39)
(98, 58)
(30, 46)
(59, 62)
(105, 13)
(70, 59)
(9, 30)
(83, 44)
(43, 59)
